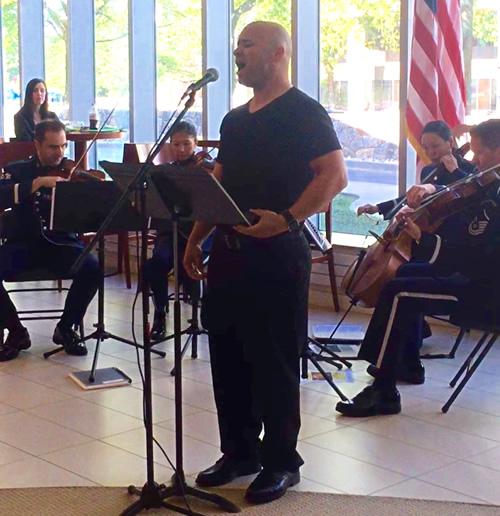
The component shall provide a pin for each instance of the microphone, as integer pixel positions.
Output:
(211, 75)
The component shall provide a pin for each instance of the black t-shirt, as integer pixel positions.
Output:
(265, 155)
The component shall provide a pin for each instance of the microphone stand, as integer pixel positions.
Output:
(152, 494)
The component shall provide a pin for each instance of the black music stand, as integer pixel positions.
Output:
(191, 194)
(81, 207)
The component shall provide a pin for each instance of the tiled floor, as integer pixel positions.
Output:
(52, 433)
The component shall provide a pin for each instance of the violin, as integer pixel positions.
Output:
(70, 170)
(204, 160)
(439, 175)
(366, 277)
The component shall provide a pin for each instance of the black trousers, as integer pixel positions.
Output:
(256, 306)
(396, 325)
(16, 257)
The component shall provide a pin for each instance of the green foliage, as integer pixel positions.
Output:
(56, 32)
(345, 219)
(380, 22)
(485, 27)
(111, 48)
(246, 11)
(179, 39)
(10, 38)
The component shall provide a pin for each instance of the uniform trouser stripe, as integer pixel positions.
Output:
(394, 308)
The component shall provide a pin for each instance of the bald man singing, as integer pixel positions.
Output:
(280, 158)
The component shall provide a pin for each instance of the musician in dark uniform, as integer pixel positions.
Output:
(29, 247)
(447, 166)
(453, 272)
(280, 157)
(183, 143)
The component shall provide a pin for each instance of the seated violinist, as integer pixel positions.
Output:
(28, 246)
(183, 142)
(446, 166)
(452, 270)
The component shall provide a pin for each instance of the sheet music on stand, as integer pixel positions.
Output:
(193, 187)
(82, 206)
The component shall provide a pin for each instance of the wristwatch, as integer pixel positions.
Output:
(293, 223)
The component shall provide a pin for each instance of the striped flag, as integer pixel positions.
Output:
(436, 89)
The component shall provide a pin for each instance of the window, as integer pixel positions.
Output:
(112, 72)
(481, 58)
(10, 54)
(55, 35)
(245, 12)
(362, 101)
(178, 57)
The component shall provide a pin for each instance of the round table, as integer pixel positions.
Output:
(82, 137)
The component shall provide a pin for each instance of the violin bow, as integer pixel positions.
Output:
(96, 135)
(462, 151)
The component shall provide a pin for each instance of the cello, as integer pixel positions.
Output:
(366, 277)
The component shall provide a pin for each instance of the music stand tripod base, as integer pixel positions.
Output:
(346, 334)
(103, 378)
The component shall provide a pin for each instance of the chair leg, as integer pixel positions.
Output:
(469, 359)
(304, 368)
(458, 341)
(126, 259)
(59, 285)
(333, 282)
(123, 257)
(119, 253)
(452, 351)
(470, 372)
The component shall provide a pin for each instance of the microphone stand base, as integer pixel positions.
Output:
(153, 496)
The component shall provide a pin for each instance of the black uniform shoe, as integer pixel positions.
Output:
(411, 373)
(16, 341)
(70, 341)
(159, 330)
(225, 470)
(271, 485)
(371, 401)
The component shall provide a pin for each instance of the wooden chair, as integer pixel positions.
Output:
(15, 151)
(138, 152)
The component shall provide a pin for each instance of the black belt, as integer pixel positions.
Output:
(236, 241)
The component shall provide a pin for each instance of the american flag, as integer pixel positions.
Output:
(436, 89)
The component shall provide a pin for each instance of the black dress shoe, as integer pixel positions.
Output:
(159, 330)
(225, 470)
(271, 485)
(408, 373)
(70, 341)
(16, 341)
(371, 401)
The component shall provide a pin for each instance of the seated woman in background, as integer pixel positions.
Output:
(447, 166)
(34, 110)
(183, 143)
